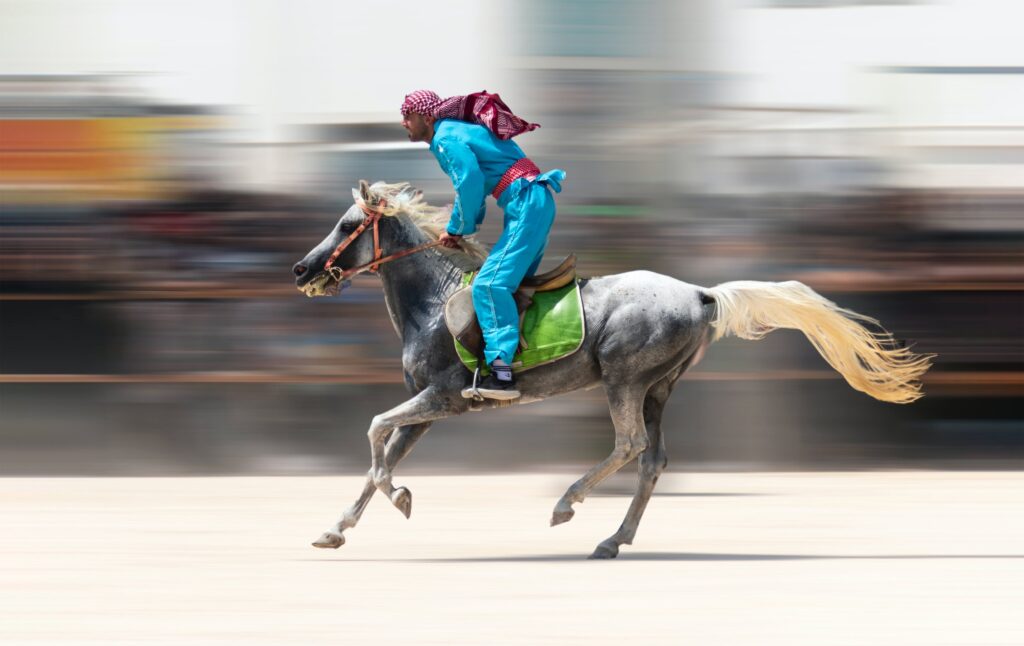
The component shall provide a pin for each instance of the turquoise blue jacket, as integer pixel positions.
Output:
(475, 159)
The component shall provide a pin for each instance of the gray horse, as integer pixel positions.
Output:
(644, 330)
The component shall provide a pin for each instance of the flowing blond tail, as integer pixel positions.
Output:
(871, 362)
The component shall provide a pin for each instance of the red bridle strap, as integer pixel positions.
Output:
(372, 217)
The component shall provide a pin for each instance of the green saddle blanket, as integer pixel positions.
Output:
(553, 328)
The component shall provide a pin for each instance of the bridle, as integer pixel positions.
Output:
(372, 217)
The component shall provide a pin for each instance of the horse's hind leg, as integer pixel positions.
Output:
(398, 447)
(626, 404)
(652, 462)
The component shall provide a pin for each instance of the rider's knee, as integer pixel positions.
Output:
(487, 289)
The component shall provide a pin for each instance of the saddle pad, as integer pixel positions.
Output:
(553, 327)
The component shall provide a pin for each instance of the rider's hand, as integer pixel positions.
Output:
(449, 240)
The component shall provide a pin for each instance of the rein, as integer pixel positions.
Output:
(372, 217)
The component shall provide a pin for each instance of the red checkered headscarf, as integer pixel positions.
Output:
(482, 108)
(421, 102)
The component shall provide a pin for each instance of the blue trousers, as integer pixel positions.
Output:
(529, 213)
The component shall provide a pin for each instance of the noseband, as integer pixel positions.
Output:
(372, 217)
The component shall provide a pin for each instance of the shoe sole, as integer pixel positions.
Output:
(500, 395)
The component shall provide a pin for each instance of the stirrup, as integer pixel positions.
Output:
(473, 392)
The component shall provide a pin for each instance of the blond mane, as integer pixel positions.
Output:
(402, 199)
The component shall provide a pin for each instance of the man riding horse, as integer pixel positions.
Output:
(471, 137)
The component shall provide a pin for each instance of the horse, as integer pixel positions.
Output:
(644, 330)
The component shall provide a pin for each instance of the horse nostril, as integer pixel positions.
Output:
(299, 269)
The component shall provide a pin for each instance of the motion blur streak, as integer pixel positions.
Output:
(158, 188)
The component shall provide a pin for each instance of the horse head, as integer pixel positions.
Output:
(370, 226)
(350, 244)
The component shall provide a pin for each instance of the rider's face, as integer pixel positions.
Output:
(419, 127)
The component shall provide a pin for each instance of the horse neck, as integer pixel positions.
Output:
(416, 286)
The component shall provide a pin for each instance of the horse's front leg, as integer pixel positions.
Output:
(424, 407)
(398, 447)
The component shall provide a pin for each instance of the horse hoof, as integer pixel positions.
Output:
(559, 517)
(402, 498)
(329, 540)
(605, 550)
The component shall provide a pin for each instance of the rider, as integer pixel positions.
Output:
(471, 138)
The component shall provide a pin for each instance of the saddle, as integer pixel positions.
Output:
(460, 316)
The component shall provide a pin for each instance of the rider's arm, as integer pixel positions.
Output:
(461, 165)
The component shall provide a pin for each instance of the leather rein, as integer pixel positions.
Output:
(372, 217)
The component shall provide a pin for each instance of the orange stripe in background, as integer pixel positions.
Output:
(51, 134)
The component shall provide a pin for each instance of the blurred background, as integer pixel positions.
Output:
(164, 163)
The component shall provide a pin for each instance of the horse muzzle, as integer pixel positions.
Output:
(325, 283)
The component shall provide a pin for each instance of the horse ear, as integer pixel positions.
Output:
(364, 191)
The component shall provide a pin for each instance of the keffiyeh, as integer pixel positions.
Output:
(483, 108)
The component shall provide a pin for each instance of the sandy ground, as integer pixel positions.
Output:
(929, 558)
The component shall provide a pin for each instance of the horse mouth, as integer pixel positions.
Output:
(324, 283)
